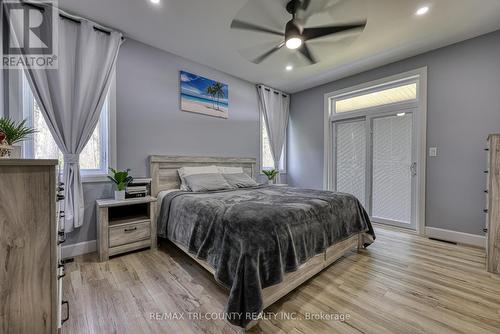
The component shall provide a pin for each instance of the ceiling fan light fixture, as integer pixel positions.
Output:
(296, 36)
(293, 43)
(293, 38)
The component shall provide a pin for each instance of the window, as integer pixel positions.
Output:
(95, 157)
(266, 158)
(377, 98)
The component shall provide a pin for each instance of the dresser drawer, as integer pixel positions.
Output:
(125, 234)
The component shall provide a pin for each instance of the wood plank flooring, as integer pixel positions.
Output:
(403, 283)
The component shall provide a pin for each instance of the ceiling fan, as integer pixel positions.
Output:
(296, 35)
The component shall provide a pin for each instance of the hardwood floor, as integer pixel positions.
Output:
(402, 283)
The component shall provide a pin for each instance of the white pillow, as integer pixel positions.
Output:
(230, 170)
(187, 171)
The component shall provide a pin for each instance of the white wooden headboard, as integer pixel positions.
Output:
(164, 168)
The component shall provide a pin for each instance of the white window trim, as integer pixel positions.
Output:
(101, 176)
(261, 154)
(16, 112)
(418, 75)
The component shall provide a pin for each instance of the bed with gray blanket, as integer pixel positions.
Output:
(253, 237)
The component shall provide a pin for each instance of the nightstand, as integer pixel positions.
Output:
(125, 225)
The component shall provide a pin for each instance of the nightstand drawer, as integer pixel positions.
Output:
(125, 234)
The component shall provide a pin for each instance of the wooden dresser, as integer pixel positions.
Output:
(30, 287)
(493, 205)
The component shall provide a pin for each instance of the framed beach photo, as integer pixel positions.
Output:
(203, 96)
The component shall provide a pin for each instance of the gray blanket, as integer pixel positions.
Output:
(253, 236)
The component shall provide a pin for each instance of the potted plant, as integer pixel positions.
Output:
(121, 180)
(4, 148)
(12, 132)
(271, 175)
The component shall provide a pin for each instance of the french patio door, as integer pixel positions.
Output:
(375, 160)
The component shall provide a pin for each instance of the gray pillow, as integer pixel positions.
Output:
(240, 180)
(207, 182)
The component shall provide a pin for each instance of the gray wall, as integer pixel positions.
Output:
(149, 120)
(3, 93)
(463, 108)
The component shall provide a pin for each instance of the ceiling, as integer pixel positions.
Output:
(199, 30)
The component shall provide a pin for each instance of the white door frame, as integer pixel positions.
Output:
(420, 105)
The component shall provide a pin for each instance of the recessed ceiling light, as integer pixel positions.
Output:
(289, 68)
(155, 1)
(422, 10)
(401, 114)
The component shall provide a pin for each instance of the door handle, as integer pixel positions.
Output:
(65, 302)
(413, 169)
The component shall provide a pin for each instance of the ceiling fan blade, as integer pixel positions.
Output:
(261, 58)
(304, 50)
(312, 33)
(237, 24)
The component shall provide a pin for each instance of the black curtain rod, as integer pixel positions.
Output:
(275, 92)
(67, 17)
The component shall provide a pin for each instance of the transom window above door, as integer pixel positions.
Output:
(376, 96)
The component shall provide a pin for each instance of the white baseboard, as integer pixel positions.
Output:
(431, 232)
(79, 249)
(458, 237)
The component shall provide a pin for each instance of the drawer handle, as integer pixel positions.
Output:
(127, 230)
(65, 302)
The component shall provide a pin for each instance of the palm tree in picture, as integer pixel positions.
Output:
(210, 91)
(218, 89)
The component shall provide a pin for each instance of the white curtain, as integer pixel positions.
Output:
(71, 97)
(275, 106)
(2, 72)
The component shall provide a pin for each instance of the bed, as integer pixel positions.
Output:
(260, 242)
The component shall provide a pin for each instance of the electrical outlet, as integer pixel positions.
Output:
(433, 151)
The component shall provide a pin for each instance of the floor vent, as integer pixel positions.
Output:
(445, 241)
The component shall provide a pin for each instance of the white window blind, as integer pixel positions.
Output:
(351, 158)
(392, 159)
